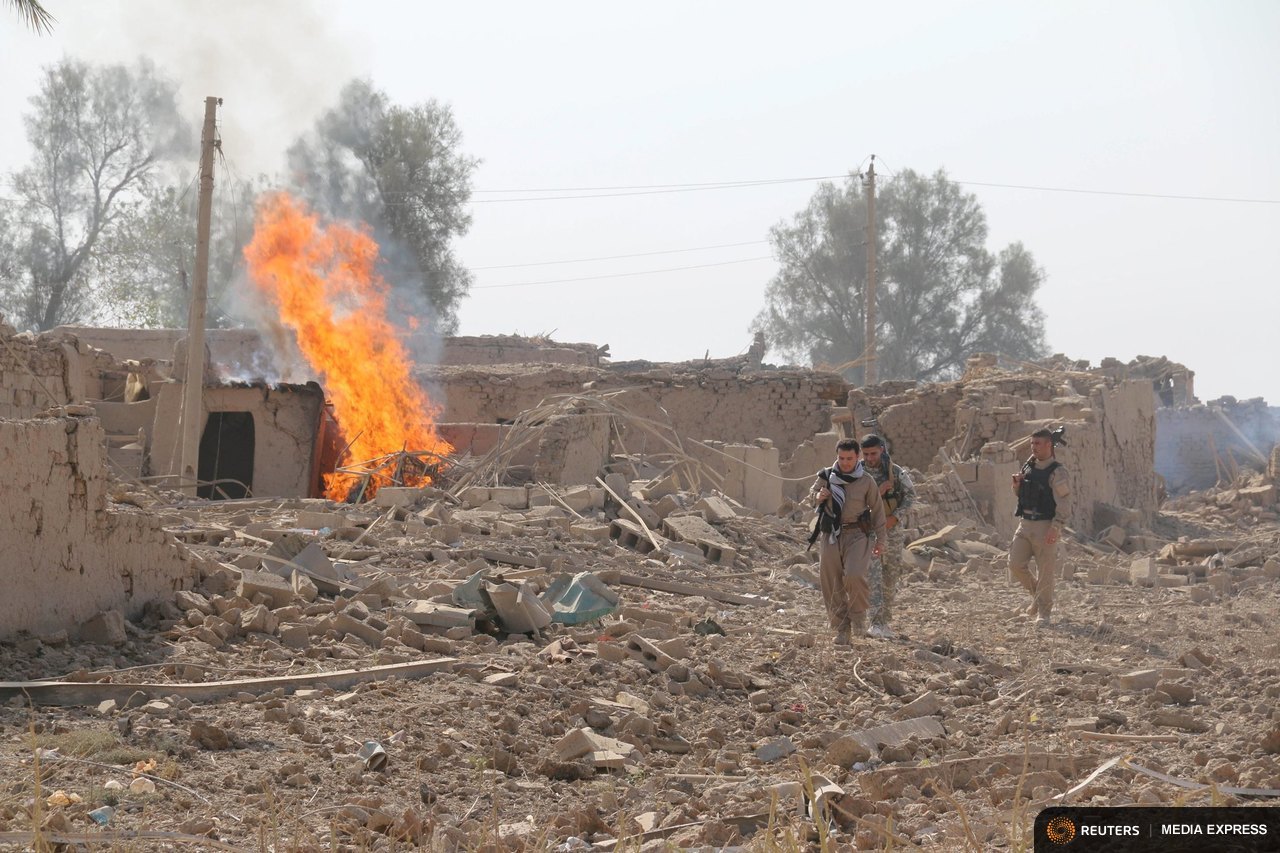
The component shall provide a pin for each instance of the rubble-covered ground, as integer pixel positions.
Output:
(711, 716)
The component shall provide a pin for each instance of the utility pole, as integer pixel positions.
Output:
(869, 355)
(193, 388)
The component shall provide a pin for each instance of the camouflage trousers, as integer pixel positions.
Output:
(885, 571)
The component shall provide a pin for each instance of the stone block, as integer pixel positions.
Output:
(1143, 571)
(1221, 583)
(519, 610)
(311, 520)
(279, 590)
(296, 637)
(715, 510)
(106, 628)
(926, 705)
(1114, 535)
(511, 497)
(429, 613)
(1142, 679)
(589, 531)
(845, 751)
(612, 652)
(775, 749)
(583, 741)
(348, 624)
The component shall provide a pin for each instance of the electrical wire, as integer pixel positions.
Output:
(622, 257)
(620, 274)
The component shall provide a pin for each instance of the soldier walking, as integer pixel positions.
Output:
(848, 494)
(1043, 489)
(898, 493)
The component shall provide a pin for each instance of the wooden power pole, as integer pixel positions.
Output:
(193, 388)
(869, 356)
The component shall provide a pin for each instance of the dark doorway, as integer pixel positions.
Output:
(226, 456)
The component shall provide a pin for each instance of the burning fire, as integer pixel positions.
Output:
(321, 279)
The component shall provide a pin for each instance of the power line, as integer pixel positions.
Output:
(1118, 193)
(620, 257)
(621, 274)
(705, 185)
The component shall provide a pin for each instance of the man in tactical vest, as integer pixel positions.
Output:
(1043, 488)
(898, 492)
(845, 559)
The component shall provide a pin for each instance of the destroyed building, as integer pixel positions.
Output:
(557, 414)
(603, 616)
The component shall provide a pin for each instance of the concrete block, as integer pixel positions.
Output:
(648, 654)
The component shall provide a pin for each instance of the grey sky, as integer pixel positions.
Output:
(1139, 97)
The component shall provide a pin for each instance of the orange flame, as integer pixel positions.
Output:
(322, 281)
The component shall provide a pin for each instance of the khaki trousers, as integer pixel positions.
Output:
(843, 569)
(885, 572)
(1028, 542)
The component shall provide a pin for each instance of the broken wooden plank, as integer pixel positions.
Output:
(632, 512)
(1110, 736)
(958, 774)
(77, 693)
(659, 585)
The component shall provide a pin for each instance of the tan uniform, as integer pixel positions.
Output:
(845, 564)
(1029, 542)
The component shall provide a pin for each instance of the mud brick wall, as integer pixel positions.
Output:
(32, 369)
(1242, 433)
(785, 406)
(68, 552)
(511, 349)
(1110, 453)
(918, 426)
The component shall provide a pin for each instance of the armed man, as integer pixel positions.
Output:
(847, 497)
(898, 493)
(1043, 489)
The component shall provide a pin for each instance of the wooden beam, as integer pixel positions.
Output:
(80, 693)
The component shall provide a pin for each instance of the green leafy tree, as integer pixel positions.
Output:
(143, 269)
(941, 295)
(400, 170)
(101, 136)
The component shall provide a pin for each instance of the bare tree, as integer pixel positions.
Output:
(99, 135)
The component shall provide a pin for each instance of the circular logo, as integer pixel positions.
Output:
(1060, 829)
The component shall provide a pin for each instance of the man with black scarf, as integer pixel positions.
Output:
(853, 497)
